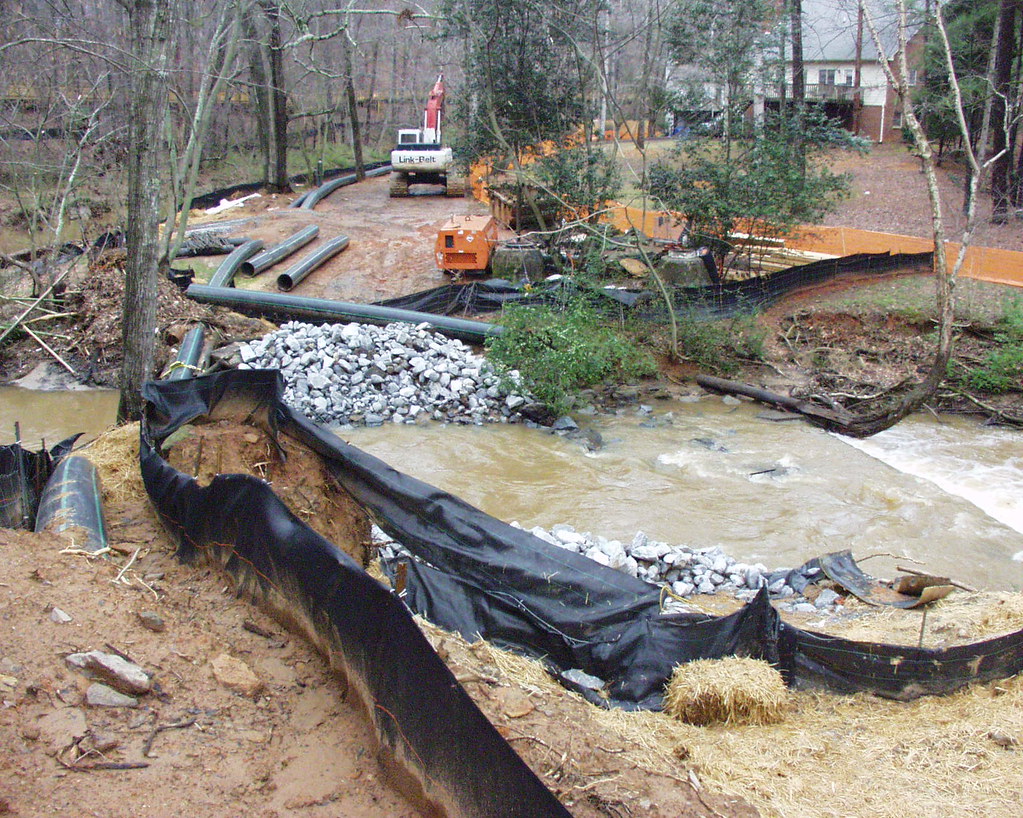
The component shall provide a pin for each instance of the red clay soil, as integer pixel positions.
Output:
(288, 743)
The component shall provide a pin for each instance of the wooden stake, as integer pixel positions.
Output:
(47, 347)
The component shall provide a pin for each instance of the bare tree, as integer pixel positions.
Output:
(896, 70)
(150, 27)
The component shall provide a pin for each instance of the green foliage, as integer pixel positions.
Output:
(761, 188)
(559, 353)
(720, 345)
(578, 180)
(1002, 369)
(524, 83)
(970, 25)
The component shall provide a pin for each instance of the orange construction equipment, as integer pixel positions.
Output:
(464, 244)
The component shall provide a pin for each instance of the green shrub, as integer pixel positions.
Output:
(560, 353)
(719, 345)
(1002, 368)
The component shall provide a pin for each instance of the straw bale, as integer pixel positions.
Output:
(115, 454)
(733, 690)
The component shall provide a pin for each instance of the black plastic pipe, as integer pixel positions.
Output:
(324, 311)
(71, 502)
(188, 356)
(310, 200)
(308, 263)
(268, 258)
(224, 276)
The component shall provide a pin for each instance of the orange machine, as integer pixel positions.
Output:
(464, 244)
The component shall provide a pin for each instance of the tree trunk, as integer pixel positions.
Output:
(798, 81)
(278, 182)
(150, 27)
(371, 101)
(1003, 58)
(353, 110)
(261, 94)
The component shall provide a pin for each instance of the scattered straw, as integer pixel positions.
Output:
(1005, 613)
(734, 690)
(843, 756)
(115, 454)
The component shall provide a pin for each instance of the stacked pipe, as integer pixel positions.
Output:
(268, 258)
(294, 274)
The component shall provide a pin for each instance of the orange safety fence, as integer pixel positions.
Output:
(982, 263)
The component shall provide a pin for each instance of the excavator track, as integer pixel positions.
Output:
(399, 186)
(455, 187)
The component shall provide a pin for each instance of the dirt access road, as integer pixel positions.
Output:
(391, 249)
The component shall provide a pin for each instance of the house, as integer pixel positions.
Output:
(842, 73)
(840, 69)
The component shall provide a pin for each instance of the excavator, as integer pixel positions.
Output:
(419, 158)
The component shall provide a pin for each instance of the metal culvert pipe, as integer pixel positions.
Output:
(268, 258)
(323, 310)
(71, 502)
(310, 200)
(189, 355)
(308, 263)
(224, 276)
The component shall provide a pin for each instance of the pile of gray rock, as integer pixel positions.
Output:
(400, 373)
(685, 571)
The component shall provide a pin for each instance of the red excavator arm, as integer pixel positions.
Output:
(432, 114)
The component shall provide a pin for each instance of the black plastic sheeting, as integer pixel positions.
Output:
(715, 301)
(23, 476)
(735, 297)
(478, 575)
(214, 197)
(420, 712)
(484, 296)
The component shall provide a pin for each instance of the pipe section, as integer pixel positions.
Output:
(224, 276)
(310, 200)
(268, 258)
(71, 502)
(294, 274)
(188, 356)
(325, 311)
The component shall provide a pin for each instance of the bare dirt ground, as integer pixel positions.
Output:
(391, 241)
(288, 744)
(889, 194)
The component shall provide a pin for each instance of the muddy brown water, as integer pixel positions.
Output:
(945, 493)
(51, 416)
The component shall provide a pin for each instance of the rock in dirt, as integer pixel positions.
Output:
(118, 673)
(100, 695)
(152, 621)
(514, 703)
(59, 616)
(235, 675)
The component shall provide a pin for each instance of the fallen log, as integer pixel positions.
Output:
(830, 417)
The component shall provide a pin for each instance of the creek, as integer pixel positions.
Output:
(946, 493)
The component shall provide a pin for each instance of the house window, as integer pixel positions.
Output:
(897, 119)
(826, 76)
(912, 76)
(850, 77)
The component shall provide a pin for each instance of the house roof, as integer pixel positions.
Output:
(829, 30)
